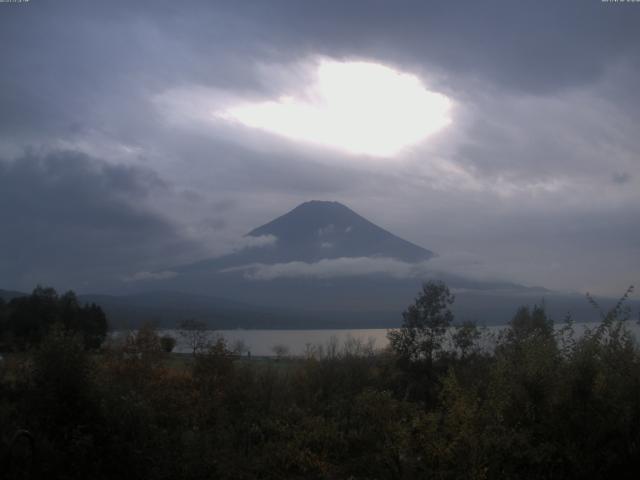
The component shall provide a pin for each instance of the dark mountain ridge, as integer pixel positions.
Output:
(317, 230)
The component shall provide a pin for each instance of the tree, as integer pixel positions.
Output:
(530, 322)
(212, 367)
(94, 326)
(280, 350)
(465, 338)
(239, 347)
(30, 318)
(424, 325)
(167, 343)
(145, 342)
(62, 381)
(195, 334)
(3, 322)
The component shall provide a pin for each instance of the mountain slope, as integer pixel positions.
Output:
(7, 295)
(322, 264)
(315, 230)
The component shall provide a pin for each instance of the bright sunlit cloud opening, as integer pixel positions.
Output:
(360, 107)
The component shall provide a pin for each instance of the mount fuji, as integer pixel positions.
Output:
(321, 265)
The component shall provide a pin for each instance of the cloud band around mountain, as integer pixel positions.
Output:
(330, 268)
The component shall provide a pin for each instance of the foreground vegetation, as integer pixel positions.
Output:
(540, 403)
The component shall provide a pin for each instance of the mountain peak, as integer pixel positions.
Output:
(319, 207)
(322, 204)
(327, 229)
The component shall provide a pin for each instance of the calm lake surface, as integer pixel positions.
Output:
(297, 342)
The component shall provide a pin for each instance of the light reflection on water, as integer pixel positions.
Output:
(297, 342)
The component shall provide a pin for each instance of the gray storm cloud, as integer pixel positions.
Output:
(71, 219)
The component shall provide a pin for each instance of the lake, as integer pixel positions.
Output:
(297, 342)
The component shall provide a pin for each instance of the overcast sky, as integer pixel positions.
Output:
(118, 155)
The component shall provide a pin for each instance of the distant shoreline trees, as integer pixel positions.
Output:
(26, 321)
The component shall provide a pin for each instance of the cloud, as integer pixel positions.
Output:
(330, 268)
(344, 109)
(250, 241)
(327, 230)
(469, 266)
(620, 178)
(453, 267)
(497, 41)
(144, 276)
(75, 221)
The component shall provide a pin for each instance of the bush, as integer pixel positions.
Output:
(167, 343)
